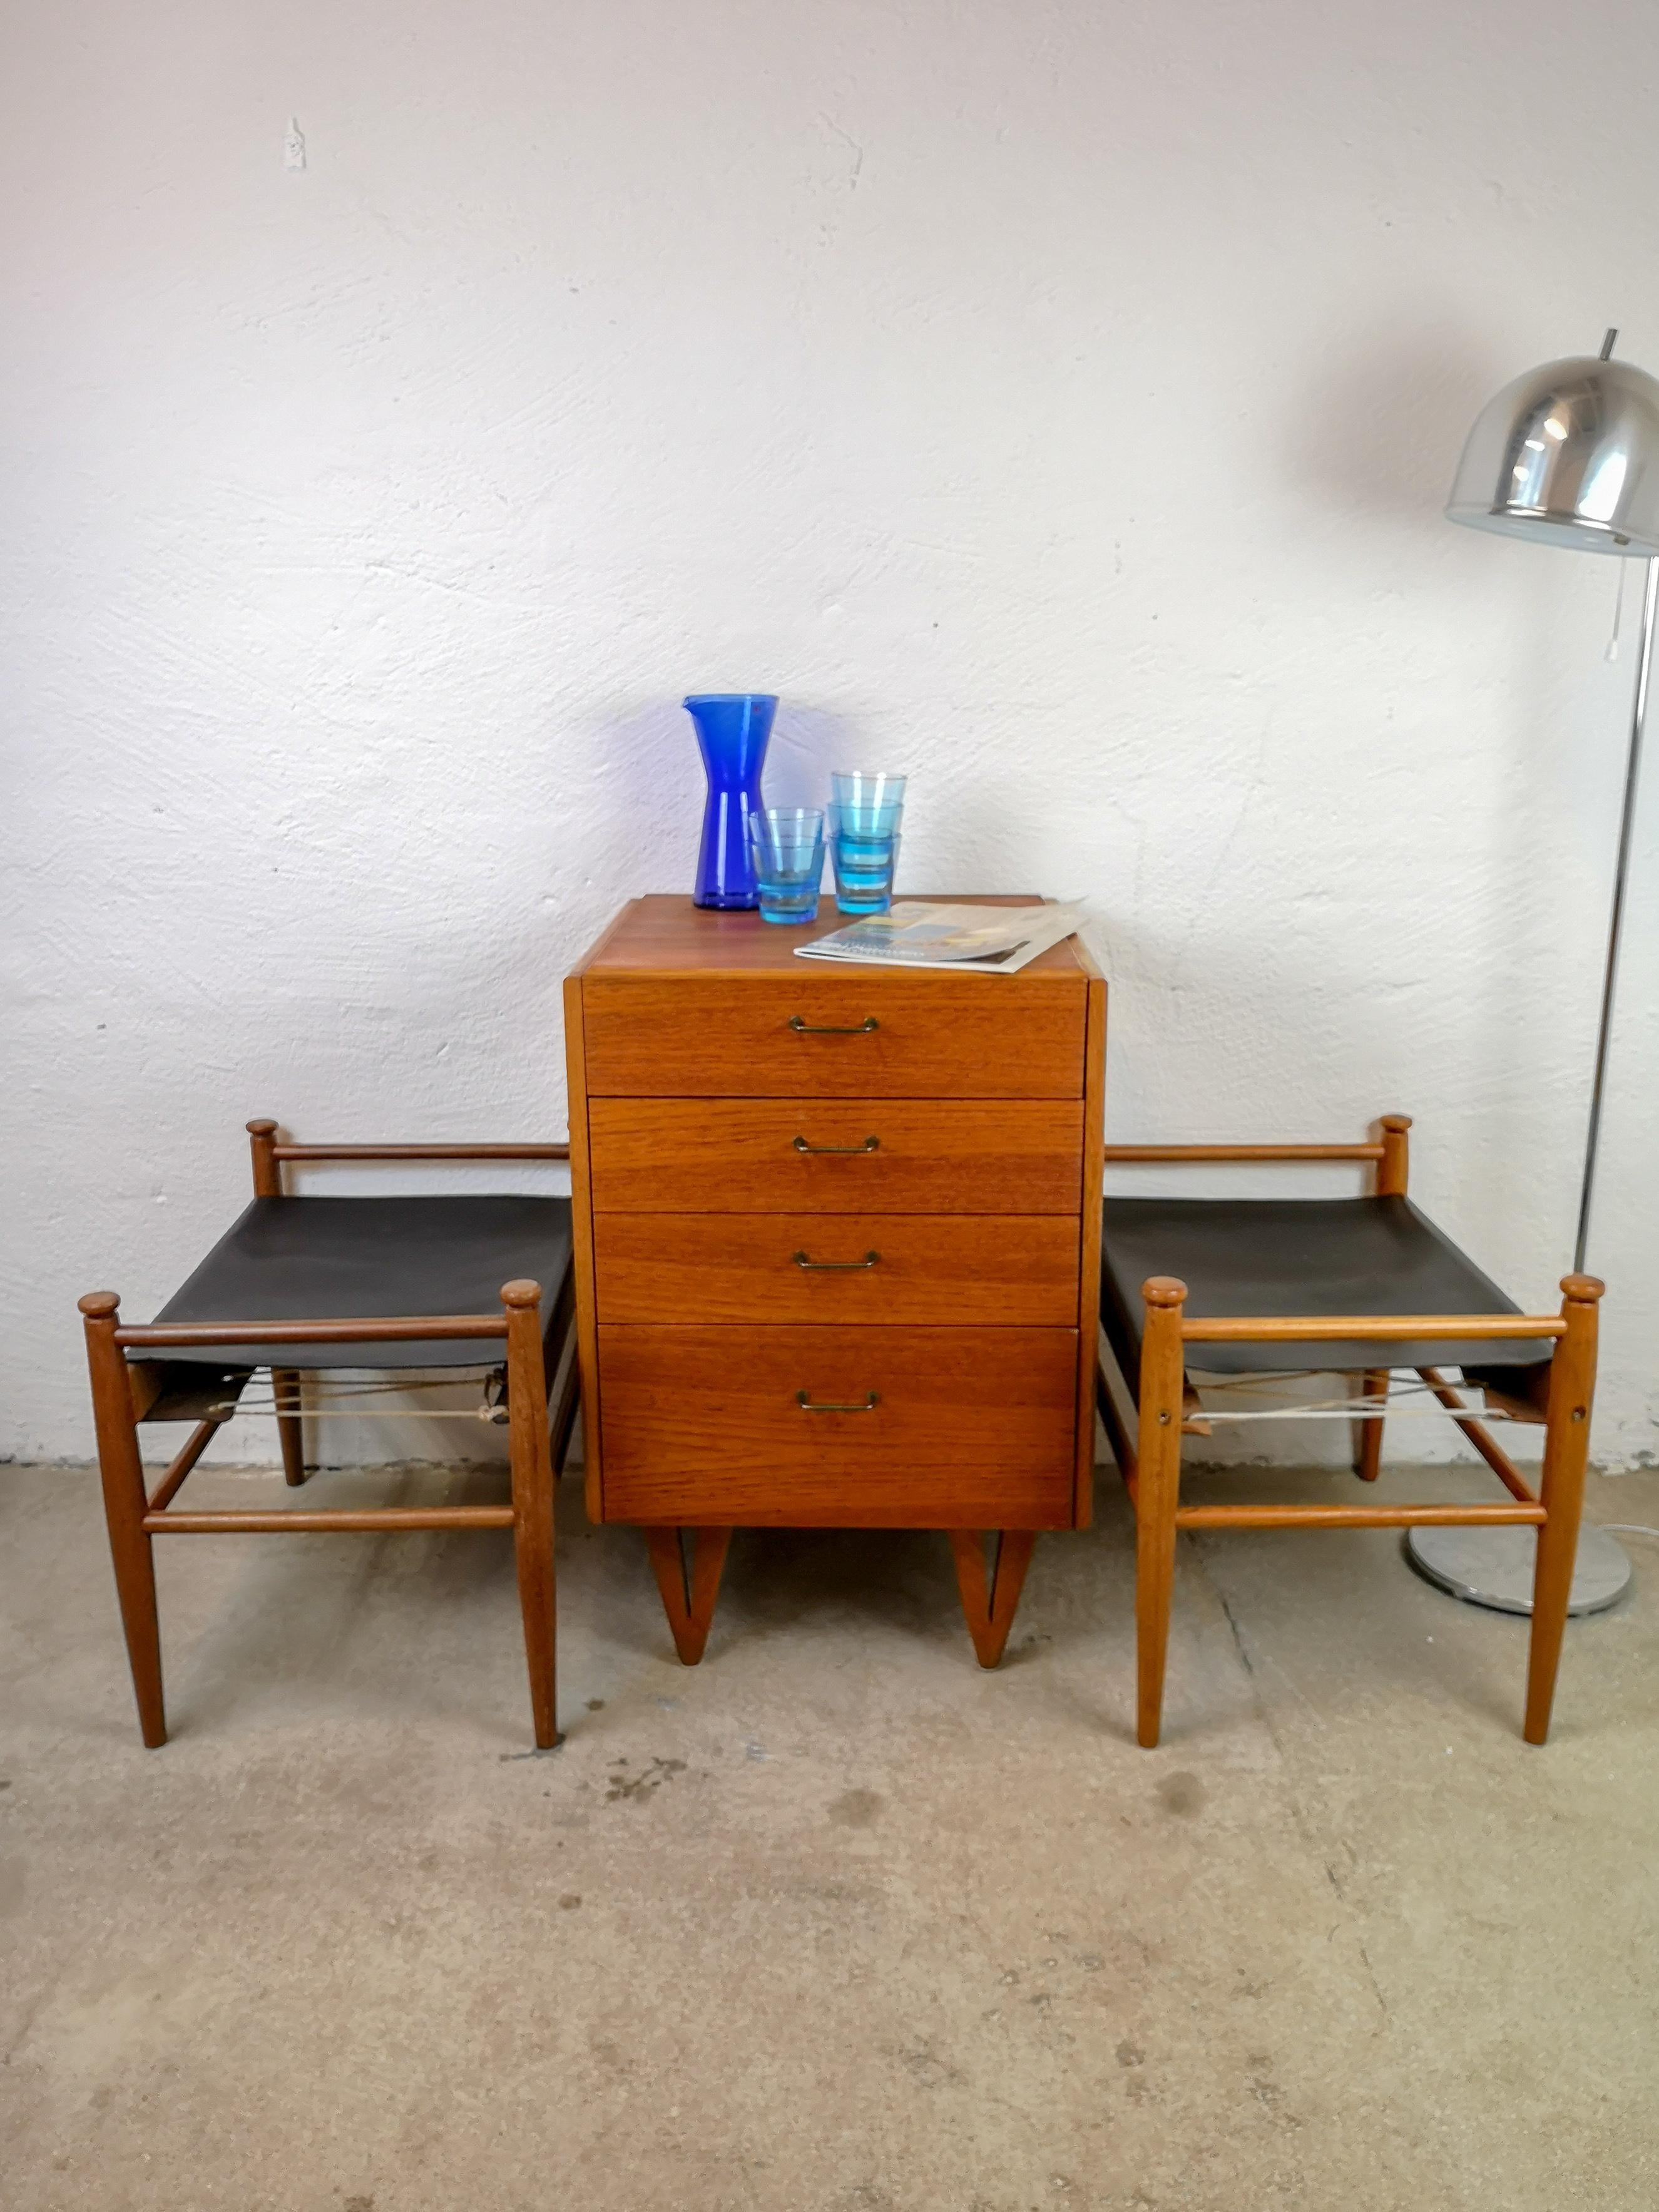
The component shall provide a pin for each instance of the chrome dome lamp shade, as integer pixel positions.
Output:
(1567, 455)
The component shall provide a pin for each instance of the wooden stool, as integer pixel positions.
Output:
(430, 1283)
(1230, 1287)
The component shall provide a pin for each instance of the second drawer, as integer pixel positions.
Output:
(975, 1270)
(836, 1156)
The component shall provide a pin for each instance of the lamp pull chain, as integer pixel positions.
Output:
(1612, 652)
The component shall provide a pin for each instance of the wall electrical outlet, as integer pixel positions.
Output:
(294, 147)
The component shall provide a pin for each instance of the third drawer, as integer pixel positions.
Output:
(967, 1270)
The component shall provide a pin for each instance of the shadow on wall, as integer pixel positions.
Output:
(1484, 1121)
(1377, 434)
(639, 766)
(1297, 989)
(808, 743)
(643, 793)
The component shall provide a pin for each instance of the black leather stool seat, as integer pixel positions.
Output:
(371, 1259)
(1282, 1256)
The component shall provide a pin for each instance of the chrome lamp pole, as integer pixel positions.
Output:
(1567, 455)
(1638, 714)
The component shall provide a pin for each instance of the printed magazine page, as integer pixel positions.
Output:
(973, 939)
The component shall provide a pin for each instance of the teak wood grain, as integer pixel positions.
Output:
(888, 1269)
(1088, 1307)
(749, 1496)
(740, 1156)
(665, 935)
(970, 1428)
(934, 1036)
(582, 1228)
(990, 1588)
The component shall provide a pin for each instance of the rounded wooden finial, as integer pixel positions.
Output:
(98, 1303)
(1401, 1121)
(1585, 1288)
(521, 1293)
(262, 1129)
(1164, 1291)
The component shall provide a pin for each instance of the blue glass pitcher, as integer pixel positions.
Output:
(732, 730)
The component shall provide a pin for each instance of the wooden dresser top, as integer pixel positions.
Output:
(664, 934)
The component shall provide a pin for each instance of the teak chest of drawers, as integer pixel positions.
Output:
(837, 1247)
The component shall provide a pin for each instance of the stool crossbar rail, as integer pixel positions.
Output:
(1414, 1329)
(348, 1152)
(159, 1520)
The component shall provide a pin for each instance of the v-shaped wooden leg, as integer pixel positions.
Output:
(989, 1598)
(688, 1579)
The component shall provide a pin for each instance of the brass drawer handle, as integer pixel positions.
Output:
(836, 1266)
(830, 1029)
(871, 1402)
(870, 1144)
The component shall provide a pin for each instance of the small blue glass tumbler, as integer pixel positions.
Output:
(864, 832)
(787, 843)
(865, 860)
(732, 730)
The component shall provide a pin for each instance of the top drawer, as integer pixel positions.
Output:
(871, 1034)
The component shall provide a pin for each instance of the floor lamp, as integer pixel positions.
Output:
(1567, 455)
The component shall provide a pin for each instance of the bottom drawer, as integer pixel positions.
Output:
(970, 1427)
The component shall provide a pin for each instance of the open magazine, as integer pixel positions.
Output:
(984, 940)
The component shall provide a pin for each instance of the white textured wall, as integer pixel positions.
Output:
(1054, 400)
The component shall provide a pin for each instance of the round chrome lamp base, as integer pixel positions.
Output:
(1494, 1566)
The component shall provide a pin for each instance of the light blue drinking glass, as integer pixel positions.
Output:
(866, 858)
(787, 843)
(869, 802)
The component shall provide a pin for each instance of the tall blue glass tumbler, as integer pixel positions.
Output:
(732, 731)
(865, 860)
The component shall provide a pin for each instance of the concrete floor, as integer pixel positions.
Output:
(835, 1921)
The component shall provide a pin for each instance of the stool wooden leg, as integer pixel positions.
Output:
(291, 1432)
(989, 1601)
(689, 1584)
(124, 1505)
(532, 1502)
(1162, 1374)
(1392, 1173)
(1561, 1491)
(1368, 1434)
(284, 1384)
